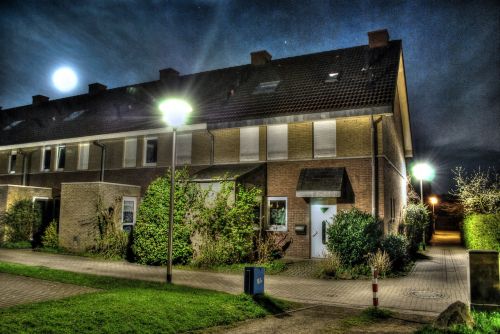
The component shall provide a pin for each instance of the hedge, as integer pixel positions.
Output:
(482, 231)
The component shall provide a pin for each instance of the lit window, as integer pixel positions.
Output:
(13, 125)
(266, 87)
(332, 77)
(277, 142)
(61, 156)
(128, 213)
(130, 152)
(150, 151)
(46, 158)
(183, 146)
(277, 213)
(325, 139)
(249, 143)
(12, 162)
(83, 156)
(74, 115)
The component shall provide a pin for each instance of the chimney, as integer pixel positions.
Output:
(168, 74)
(96, 87)
(378, 38)
(39, 99)
(260, 57)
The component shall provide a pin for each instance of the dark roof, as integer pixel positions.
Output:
(224, 172)
(320, 182)
(367, 78)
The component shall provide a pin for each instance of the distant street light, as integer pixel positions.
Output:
(175, 113)
(433, 200)
(423, 172)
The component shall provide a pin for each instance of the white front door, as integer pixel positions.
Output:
(321, 217)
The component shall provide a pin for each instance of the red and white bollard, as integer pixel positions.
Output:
(375, 286)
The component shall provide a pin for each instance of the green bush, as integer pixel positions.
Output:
(149, 244)
(416, 218)
(353, 234)
(482, 231)
(21, 220)
(50, 239)
(396, 245)
(111, 245)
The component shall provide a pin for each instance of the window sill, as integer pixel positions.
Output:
(277, 229)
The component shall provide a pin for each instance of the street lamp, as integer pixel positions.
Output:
(175, 113)
(433, 200)
(423, 172)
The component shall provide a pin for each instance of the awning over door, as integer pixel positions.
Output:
(320, 182)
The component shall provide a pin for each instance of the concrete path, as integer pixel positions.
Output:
(16, 290)
(428, 289)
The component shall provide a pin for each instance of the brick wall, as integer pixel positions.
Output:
(300, 140)
(77, 230)
(227, 145)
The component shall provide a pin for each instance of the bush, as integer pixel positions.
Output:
(415, 219)
(21, 220)
(381, 261)
(330, 265)
(482, 231)
(212, 252)
(50, 239)
(396, 246)
(150, 235)
(112, 245)
(353, 234)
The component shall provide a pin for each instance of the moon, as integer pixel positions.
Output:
(64, 79)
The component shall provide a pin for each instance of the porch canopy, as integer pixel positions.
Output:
(224, 172)
(320, 182)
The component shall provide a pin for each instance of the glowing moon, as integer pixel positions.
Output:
(64, 79)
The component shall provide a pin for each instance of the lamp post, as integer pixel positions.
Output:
(175, 113)
(423, 171)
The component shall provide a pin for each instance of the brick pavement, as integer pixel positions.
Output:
(428, 289)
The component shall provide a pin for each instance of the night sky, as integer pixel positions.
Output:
(451, 52)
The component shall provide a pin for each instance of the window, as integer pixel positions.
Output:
(12, 162)
(130, 152)
(13, 125)
(150, 151)
(332, 77)
(266, 87)
(46, 158)
(183, 146)
(74, 115)
(277, 142)
(128, 213)
(249, 144)
(83, 156)
(61, 157)
(277, 213)
(325, 137)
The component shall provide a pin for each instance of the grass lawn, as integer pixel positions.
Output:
(484, 323)
(128, 306)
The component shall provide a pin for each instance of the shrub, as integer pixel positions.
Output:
(21, 220)
(396, 246)
(353, 234)
(112, 245)
(330, 265)
(211, 252)
(150, 235)
(381, 261)
(415, 220)
(271, 246)
(50, 239)
(482, 231)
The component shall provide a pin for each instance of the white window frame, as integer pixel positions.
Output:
(134, 215)
(83, 164)
(57, 157)
(278, 228)
(45, 149)
(321, 154)
(124, 162)
(145, 152)
(249, 143)
(10, 170)
(183, 160)
(270, 140)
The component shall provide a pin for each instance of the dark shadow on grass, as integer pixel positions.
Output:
(271, 305)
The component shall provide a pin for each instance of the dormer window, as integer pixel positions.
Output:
(266, 87)
(332, 77)
(74, 115)
(13, 125)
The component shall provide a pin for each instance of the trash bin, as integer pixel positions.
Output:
(254, 280)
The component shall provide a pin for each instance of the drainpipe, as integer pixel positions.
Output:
(103, 158)
(212, 143)
(374, 164)
(25, 166)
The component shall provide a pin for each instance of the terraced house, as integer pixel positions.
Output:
(318, 133)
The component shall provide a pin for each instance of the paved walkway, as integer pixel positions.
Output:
(428, 289)
(16, 290)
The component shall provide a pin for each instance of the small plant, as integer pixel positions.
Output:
(50, 239)
(271, 246)
(330, 265)
(381, 261)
